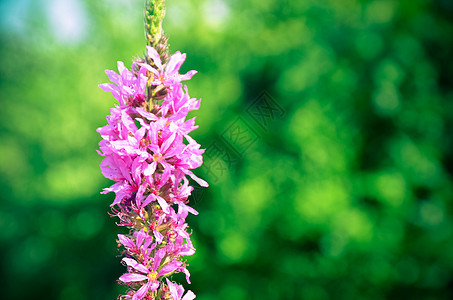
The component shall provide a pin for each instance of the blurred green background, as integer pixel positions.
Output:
(328, 128)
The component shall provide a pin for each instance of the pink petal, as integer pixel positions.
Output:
(121, 67)
(121, 189)
(110, 170)
(158, 257)
(188, 75)
(132, 277)
(152, 53)
(126, 241)
(113, 76)
(134, 264)
(187, 274)
(140, 133)
(148, 200)
(167, 143)
(128, 122)
(140, 237)
(189, 296)
(191, 210)
(154, 286)
(149, 68)
(200, 181)
(136, 168)
(139, 195)
(174, 289)
(176, 60)
(163, 204)
(142, 291)
(159, 236)
(150, 169)
(109, 87)
(169, 268)
(122, 165)
(148, 241)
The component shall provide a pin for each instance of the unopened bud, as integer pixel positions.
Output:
(160, 92)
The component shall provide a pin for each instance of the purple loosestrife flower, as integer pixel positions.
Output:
(149, 155)
(150, 274)
(177, 291)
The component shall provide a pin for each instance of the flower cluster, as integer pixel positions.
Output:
(148, 153)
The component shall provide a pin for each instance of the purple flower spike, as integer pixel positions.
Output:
(149, 155)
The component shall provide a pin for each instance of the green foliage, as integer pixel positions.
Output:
(346, 194)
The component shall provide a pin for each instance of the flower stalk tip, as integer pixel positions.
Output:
(154, 34)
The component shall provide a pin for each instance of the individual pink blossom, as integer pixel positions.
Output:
(150, 274)
(177, 292)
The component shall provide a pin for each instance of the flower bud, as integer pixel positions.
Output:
(160, 92)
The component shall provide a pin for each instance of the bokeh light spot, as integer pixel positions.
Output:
(86, 224)
(233, 246)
